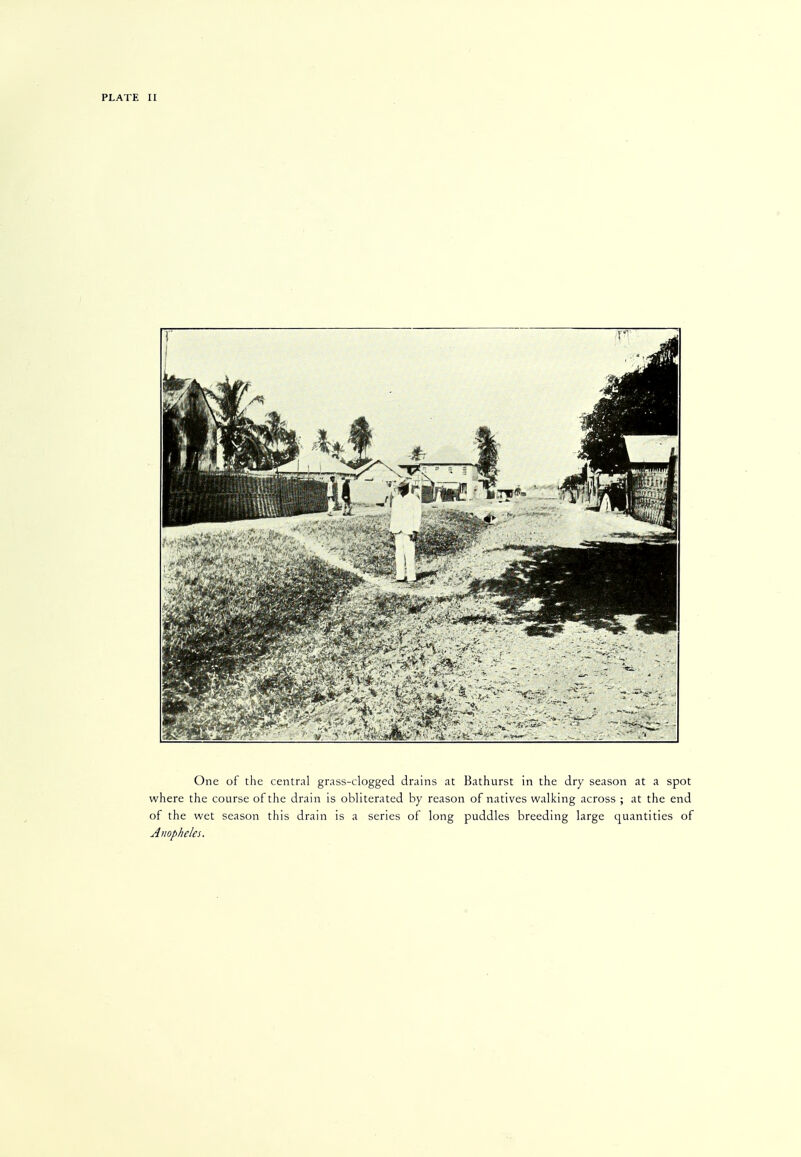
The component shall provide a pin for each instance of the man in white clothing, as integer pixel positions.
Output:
(404, 524)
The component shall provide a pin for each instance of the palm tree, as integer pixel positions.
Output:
(322, 444)
(361, 436)
(239, 434)
(275, 428)
(488, 447)
(417, 454)
(282, 442)
(291, 449)
(252, 449)
(337, 449)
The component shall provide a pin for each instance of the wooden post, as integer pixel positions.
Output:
(671, 472)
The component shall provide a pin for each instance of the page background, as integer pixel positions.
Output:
(474, 992)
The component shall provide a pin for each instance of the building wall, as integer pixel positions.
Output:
(374, 484)
(195, 430)
(462, 478)
(452, 473)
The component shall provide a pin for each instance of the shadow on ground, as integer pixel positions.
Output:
(591, 584)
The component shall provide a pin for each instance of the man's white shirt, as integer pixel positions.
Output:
(406, 514)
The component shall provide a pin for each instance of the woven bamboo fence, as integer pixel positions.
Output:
(223, 496)
(654, 493)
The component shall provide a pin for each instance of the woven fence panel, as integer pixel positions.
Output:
(223, 496)
(648, 493)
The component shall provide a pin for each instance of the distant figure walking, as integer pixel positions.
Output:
(404, 524)
(329, 493)
(345, 497)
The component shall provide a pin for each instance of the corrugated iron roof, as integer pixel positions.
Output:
(445, 456)
(172, 390)
(315, 462)
(650, 447)
(374, 462)
(418, 470)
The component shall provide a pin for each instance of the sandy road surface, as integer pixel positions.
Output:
(558, 625)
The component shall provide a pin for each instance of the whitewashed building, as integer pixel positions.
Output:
(454, 475)
(373, 482)
(316, 464)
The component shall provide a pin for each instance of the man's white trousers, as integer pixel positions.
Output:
(404, 558)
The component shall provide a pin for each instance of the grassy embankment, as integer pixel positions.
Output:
(367, 544)
(257, 630)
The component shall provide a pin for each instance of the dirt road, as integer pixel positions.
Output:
(559, 624)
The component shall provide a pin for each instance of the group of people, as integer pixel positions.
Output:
(331, 495)
(404, 522)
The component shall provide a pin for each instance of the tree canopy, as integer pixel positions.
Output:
(240, 437)
(281, 443)
(488, 449)
(574, 481)
(361, 436)
(417, 454)
(245, 442)
(642, 401)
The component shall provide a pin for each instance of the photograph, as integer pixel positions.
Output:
(419, 535)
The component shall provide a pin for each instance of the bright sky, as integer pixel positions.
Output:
(426, 387)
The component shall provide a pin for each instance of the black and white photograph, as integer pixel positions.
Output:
(419, 534)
